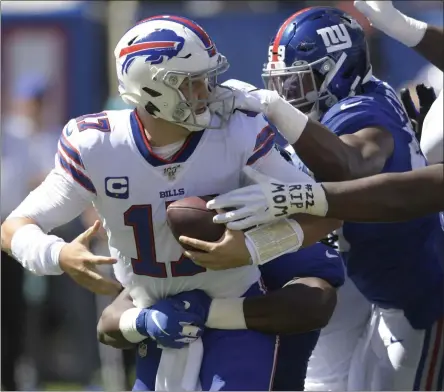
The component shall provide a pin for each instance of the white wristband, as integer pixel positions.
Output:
(37, 251)
(288, 120)
(127, 325)
(266, 242)
(226, 313)
(299, 198)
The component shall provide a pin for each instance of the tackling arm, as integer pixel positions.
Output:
(388, 197)
(108, 331)
(281, 236)
(361, 151)
(302, 305)
(333, 158)
(429, 48)
(413, 33)
(275, 166)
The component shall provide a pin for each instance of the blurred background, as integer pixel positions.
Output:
(57, 63)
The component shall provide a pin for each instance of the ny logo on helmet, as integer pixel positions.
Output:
(335, 38)
(157, 46)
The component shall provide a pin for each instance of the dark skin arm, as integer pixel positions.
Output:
(333, 158)
(302, 305)
(431, 46)
(108, 331)
(388, 197)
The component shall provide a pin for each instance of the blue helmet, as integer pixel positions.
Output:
(319, 56)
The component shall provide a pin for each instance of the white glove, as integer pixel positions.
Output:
(267, 201)
(383, 16)
(288, 120)
(246, 97)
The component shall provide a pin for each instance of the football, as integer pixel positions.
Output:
(190, 217)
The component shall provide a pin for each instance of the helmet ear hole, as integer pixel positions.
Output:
(152, 92)
(130, 42)
(151, 108)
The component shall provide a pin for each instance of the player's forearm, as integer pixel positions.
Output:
(114, 341)
(31, 247)
(315, 228)
(305, 305)
(8, 228)
(388, 197)
(324, 153)
(431, 46)
(108, 328)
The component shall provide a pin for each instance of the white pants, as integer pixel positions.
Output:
(392, 356)
(329, 365)
(367, 348)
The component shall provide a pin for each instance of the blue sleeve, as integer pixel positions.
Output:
(318, 260)
(356, 113)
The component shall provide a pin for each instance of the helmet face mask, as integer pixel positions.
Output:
(194, 109)
(318, 57)
(300, 85)
(162, 64)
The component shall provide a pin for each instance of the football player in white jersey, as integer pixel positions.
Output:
(130, 164)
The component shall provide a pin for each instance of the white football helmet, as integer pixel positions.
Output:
(162, 54)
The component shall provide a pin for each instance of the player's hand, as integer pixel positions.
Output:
(267, 201)
(195, 301)
(377, 12)
(78, 262)
(383, 16)
(170, 324)
(246, 97)
(229, 252)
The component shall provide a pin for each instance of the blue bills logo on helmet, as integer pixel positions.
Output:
(157, 47)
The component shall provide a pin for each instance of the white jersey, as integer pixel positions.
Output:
(107, 159)
(432, 137)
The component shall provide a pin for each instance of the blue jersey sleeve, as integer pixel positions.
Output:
(355, 113)
(318, 260)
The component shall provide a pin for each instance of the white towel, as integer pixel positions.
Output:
(179, 368)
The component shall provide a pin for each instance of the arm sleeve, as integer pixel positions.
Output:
(265, 141)
(66, 191)
(68, 160)
(318, 261)
(432, 143)
(54, 202)
(275, 165)
(266, 156)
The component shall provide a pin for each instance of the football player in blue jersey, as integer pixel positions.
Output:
(299, 302)
(319, 69)
(381, 198)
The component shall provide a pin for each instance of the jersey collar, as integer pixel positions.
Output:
(145, 149)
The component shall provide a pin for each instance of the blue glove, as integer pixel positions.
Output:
(169, 323)
(196, 302)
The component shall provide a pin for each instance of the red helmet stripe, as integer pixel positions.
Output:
(281, 31)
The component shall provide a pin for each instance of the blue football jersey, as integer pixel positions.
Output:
(319, 261)
(395, 265)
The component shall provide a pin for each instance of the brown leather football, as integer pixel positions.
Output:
(190, 217)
